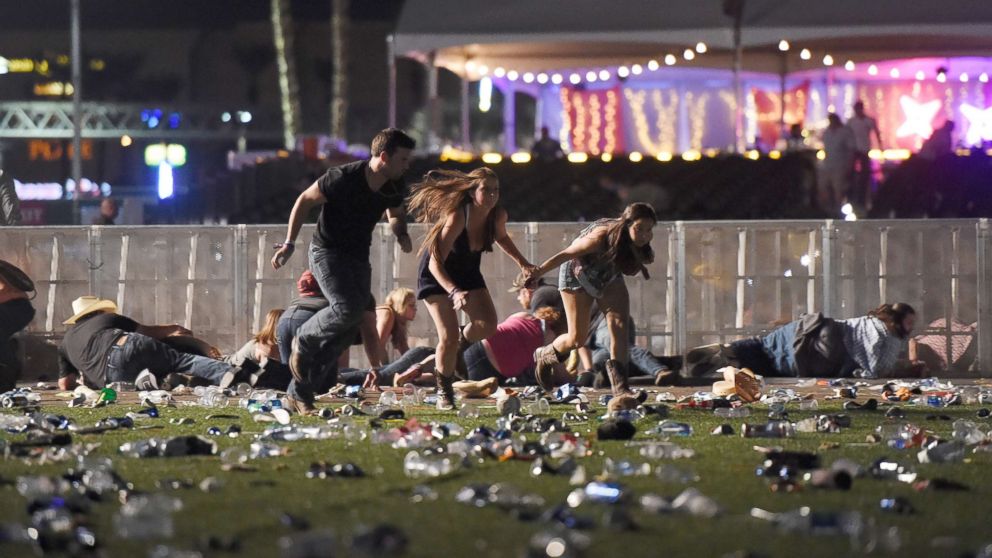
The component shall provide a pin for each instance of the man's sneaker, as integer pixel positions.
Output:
(545, 359)
(146, 381)
(445, 392)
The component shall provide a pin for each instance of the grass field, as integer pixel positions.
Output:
(249, 504)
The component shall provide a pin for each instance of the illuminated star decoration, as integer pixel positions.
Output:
(979, 124)
(918, 117)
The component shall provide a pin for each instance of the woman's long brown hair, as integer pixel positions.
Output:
(442, 192)
(620, 248)
(268, 334)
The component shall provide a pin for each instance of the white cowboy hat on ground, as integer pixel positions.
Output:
(87, 305)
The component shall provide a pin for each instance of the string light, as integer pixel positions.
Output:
(964, 78)
(828, 60)
(574, 79)
(636, 69)
(805, 54)
(542, 78)
(920, 76)
(670, 60)
(557, 79)
(701, 48)
(499, 72)
(528, 77)
(483, 70)
(591, 76)
(604, 75)
(849, 65)
(623, 72)
(688, 54)
(653, 65)
(941, 77)
(512, 75)
(783, 45)
(873, 70)
(984, 78)
(894, 73)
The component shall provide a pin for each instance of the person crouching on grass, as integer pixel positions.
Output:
(593, 270)
(465, 221)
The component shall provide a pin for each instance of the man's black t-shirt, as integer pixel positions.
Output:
(85, 345)
(352, 210)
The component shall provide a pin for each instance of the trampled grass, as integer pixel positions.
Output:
(249, 504)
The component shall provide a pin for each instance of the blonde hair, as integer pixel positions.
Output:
(267, 336)
(442, 192)
(396, 299)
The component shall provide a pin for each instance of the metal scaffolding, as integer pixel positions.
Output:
(53, 120)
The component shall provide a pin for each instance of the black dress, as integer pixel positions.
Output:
(462, 265)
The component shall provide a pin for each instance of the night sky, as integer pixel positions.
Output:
(123, 14)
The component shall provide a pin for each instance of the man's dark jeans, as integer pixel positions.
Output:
(125, 362)
(15, 315)
(346, 283)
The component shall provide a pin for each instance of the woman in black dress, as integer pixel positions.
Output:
(465, 221)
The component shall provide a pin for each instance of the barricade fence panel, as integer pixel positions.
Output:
(710, 281)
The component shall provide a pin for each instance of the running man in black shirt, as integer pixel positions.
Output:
(352, 199)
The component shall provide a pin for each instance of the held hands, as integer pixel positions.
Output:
(459, 298)
(283, 252)
(406, 245)
(529, 274)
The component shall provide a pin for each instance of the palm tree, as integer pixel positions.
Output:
(339, 102)
(289, 88)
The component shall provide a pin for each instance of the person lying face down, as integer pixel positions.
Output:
(869, 346)
(104, 347)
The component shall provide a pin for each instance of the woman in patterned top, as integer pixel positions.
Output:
(593, 270)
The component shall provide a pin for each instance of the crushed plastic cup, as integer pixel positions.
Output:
(674, 474)
(388, 399)
(214, 397)
(968, 432)
(773, 429)
(468, 411)
(808, 405)
(233, 457)
(732, 412)
(261, 450)
(625, 468)
(673, 428)
(539, 406)
(665, 450)
(695, 503)
(417, 466)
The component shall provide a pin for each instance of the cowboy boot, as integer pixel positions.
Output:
(445, 391)
(545, 359)
(617, 372)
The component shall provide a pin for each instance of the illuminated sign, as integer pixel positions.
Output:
(44, 150)
(918, 117)
(53, 89)
(174, 154)
(979, 124)
(56, 191)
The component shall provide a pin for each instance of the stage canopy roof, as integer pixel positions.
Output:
(547, 35)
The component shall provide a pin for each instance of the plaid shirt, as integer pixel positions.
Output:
(873, 348)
